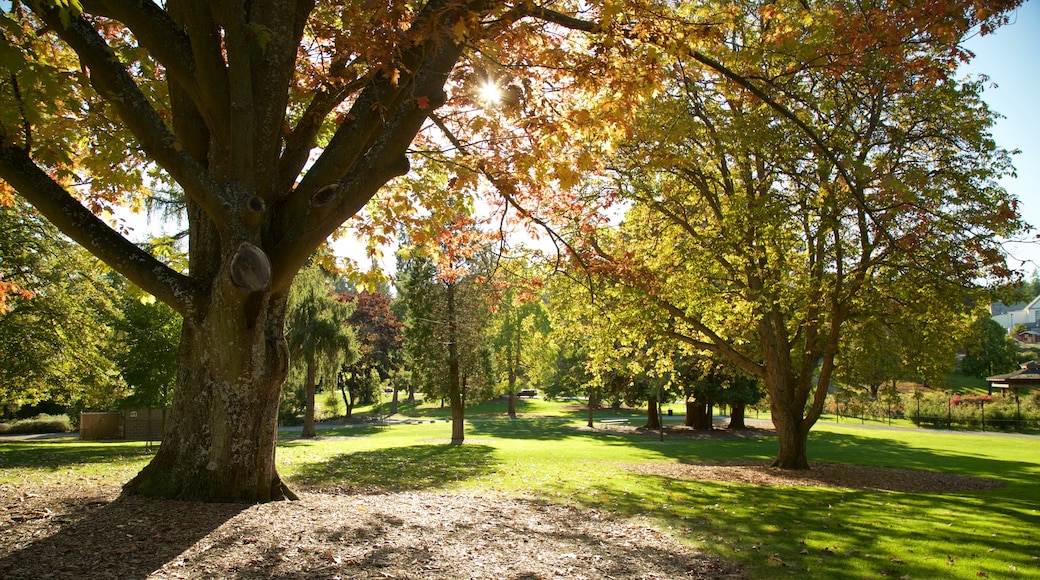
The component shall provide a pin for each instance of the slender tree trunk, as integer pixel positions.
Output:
(308, 408)
(393, 402)
(347, 402)
(736, 416)
(455, 384)
(593, 405)
(220, 439)
(514, 368)
(511, 380)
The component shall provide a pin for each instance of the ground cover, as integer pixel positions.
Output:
(374, 497)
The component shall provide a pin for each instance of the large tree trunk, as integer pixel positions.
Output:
(219, 443)
(736, 416)
(791, 436)
(698, 414)
(308, 407)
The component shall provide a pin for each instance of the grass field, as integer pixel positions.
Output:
(796, 532)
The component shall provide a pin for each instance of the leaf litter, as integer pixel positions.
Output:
(64, 531)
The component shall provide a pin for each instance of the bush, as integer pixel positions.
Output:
(329, 405)
(41, 423)
(973, 412)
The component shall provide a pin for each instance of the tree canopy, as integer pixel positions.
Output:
(276, 121)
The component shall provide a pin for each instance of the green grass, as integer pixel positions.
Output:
(797, 532)
(499, 407)
(966, 385)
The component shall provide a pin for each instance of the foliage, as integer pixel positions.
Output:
(427, 331)
(320, 337)
(988, 350)
(148, 335)
(974, 412)
(224, 104)
(59, 336)
(379, 336)
(41, 423)
(796, 204)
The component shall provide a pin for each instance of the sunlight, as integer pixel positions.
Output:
(490, 93)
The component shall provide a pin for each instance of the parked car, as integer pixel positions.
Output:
(527, 393)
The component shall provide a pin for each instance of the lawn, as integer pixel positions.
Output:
(797, 532)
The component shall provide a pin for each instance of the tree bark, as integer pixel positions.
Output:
(698, 414)
(219, 443)
(514, 365)
(593, 405)
(653, 418)
(791, 437)
(347, 402)
(736, 416)
(308, 408)
(458, 433)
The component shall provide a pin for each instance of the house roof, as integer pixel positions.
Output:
(1033, 304)
(1027, 376)
(996, 308)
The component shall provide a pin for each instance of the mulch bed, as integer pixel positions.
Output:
(93, 532)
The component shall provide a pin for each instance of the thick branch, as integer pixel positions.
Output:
(157, 33)
(366, 152)
(76, 221)
(304, 136)
(117, 87)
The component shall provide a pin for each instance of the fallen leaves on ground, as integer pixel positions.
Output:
(92, 531)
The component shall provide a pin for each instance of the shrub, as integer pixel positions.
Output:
(972, 412)
(41, 423)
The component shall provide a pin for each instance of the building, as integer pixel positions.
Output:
(1025, 313)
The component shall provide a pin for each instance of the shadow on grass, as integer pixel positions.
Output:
(554, 429)
(833, 533)
(834, 447)
(57, 454)
(399, 468)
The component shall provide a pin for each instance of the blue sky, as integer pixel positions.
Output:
(1010, 57)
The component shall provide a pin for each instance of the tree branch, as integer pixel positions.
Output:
(76, 221)
(117, 87)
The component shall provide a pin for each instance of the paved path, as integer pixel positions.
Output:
(720, 420)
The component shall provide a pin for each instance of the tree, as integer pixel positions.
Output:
(149, 335)
(745, 214)
(379, 343)
(59, 331)
(518, 327)
(320, 339)
(224, 103)
(988, 350)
